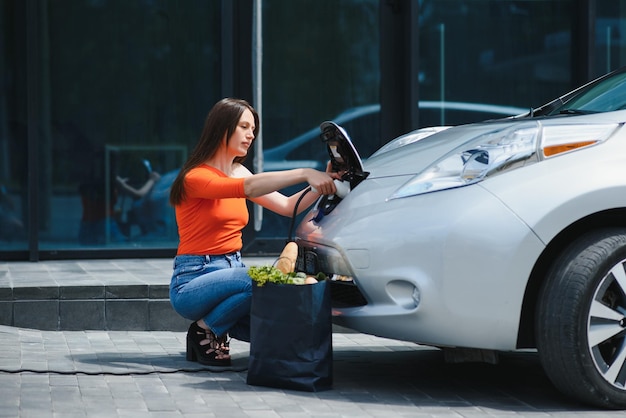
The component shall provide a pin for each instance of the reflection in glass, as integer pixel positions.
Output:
(13, 136)
(126, 102)
(610, 34)
(324, 67)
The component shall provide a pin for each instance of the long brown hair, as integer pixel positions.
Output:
(221, 120)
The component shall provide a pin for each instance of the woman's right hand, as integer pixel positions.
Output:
(321, 182)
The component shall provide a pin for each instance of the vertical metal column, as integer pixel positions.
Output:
(583, 41)
(257, 87)
(399, 58)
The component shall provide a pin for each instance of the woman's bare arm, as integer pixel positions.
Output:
(276, 201)
(260, 184)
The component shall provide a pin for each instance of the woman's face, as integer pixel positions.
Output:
(241, 139)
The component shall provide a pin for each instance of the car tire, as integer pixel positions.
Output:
(580, 323)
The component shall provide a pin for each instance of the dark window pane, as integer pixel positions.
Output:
(315, 69)
(510, 53)
(610, 33)
(130, 83)
(13, 133)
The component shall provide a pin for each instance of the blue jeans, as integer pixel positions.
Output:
(215, 288)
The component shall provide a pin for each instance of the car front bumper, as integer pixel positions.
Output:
(443, 269)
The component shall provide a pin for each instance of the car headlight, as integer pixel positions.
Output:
(501, 151)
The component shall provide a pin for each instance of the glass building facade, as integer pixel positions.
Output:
(102, 100)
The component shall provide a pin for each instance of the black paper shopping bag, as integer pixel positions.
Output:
(291, 337)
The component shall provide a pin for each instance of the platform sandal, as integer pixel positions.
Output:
(214, 351)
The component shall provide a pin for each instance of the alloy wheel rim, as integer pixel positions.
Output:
(606, 327)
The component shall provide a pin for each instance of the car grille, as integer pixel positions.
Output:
(345, 295)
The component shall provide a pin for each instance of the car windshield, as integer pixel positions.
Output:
(606, 95)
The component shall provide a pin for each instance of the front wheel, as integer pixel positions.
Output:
(581, 323)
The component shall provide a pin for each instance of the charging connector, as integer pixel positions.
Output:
(343, 188)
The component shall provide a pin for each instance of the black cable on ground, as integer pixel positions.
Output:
(137, 373)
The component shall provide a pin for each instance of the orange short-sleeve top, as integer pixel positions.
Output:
(214, 212)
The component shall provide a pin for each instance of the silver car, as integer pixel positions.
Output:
(489, 237)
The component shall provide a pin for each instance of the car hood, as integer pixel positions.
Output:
(408, 159)
(413, 158)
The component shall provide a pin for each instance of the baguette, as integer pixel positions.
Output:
(287, 260)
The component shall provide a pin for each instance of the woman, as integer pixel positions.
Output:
(210, 284)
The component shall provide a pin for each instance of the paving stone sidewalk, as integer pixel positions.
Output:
(145, 374)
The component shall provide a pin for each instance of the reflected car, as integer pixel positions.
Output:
(489, 237)
(305, 151)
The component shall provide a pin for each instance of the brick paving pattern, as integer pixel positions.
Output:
(145, 374)
(49, 371)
